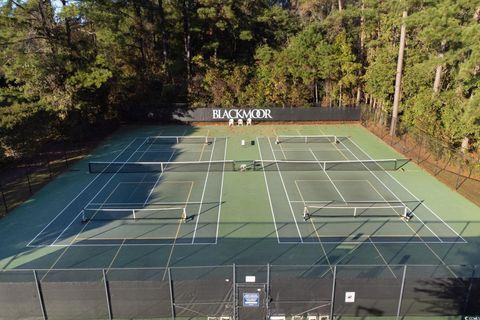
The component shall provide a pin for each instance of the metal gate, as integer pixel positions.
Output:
(251, 301)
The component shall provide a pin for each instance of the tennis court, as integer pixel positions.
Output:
(290, 185)
(165, 189)
(177, 199)
(146, 196)
(348, 198)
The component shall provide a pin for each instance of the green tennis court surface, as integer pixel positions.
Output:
(200, 197)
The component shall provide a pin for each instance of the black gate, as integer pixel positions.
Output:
(251, 301)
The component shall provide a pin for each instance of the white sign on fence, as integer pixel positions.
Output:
(349, 297)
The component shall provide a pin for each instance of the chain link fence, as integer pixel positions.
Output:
(21, 178)
(218, 292)
(456, 166)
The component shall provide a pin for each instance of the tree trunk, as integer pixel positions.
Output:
(46, 22)
(361, 54)
(163, 31)
(438, 79)
(359, 96)
(439, 70)
(398, 79)
(384, 114)
(340, 97)
(186, 36)
(68, 29)
(362, 29)
(141, 31)
(328, 93)
(340, 5)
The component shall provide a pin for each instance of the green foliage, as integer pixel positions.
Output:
(24, 126)
(66, 66)
(380, 76)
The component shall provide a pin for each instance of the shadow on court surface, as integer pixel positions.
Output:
(251, 218)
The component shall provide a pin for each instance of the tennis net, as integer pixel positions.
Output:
(307, 139)
(340, 165)
(359, 209)
(179, 139)
(108, 214)
(144, 167)
(246, 165)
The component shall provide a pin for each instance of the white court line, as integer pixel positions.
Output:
(283, 151)
(431, 250)
(328, 176)
(382, 257)
(303, 149)
(140, 204)
(137, 186)
(384, 185)
(316, 231)
(364, 241)
(150, 150)
(340, 150)
(393, 193)
(329, 201)
(173, 246)
(423, 203)
(221, 192)
(158, 179)
(268, 192)
(57, 245)
(203, 193)
(116, 255)
(55, 262)
(101, 189)
(78, 195)
(88, 204)
(286, 193)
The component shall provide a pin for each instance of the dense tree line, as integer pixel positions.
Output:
(68, 66)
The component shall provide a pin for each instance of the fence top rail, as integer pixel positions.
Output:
(241, 266)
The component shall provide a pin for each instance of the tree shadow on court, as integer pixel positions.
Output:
(428, 291)
(37, 225)
(445, 290)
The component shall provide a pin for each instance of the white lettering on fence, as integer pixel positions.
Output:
(241, 114)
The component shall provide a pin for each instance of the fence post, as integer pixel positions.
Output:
(50, 173)
(28, 178)
(172, 299)
(422, 138)
(107, 294)
(332, 302)
(469, 291)
(268, 290)
(40, 295)
(459, 173)
(400, 298)
(234, 284)
(4, 199)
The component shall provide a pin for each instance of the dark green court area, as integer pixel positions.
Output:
(185, 222)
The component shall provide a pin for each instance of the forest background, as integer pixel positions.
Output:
(70, 69)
